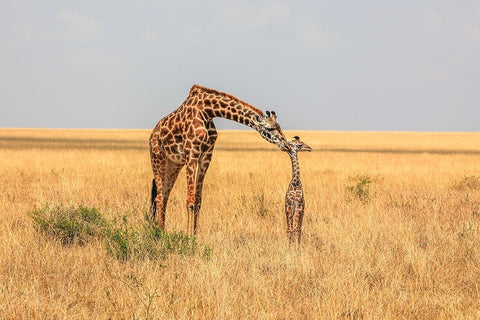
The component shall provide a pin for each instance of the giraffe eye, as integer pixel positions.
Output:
(270, 129)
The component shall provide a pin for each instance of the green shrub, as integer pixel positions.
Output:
(361, 188)
(121, 240)
(70, 225)
(125, 242)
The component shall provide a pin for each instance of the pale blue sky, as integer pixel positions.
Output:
(322, 65)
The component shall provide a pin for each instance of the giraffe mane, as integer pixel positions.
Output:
(195, 88)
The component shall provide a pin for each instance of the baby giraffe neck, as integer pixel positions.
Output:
(295, 167)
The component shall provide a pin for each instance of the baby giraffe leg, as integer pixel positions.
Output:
(297, 223)
(290, 231)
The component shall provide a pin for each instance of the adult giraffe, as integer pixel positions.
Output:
(187, 137)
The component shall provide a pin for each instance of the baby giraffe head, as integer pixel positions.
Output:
(297, 145)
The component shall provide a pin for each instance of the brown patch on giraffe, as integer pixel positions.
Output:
(188, 144)
(200, 134)
(223, 104)
(197, 123)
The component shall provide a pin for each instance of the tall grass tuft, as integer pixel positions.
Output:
(468, 183)
(260, 204)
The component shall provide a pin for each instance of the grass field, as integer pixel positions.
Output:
(391, 229)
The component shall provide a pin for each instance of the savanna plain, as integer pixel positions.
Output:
(391, 229)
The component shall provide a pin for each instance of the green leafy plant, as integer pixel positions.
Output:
(361, 188)
(125, 242)
(70, 225)
(121, 240)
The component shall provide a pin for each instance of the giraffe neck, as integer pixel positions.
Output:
(219, 104)
(295, 168)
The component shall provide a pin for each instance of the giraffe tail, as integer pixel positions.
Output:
(153, 206)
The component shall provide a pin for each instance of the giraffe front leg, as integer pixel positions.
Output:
(192, 168)
(202, 168)
(160, 209)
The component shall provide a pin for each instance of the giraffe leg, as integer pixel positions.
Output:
(297, 223)
(203, 165)
(196, 170)
(289, 214)
(192, 170)
(157, 211)
(165, 174)
(171, 172)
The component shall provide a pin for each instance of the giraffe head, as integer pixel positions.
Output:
(297, 145)
(270, 130)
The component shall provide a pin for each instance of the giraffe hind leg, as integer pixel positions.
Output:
(159, 165)
(298, 219)
(171, 173)
(289, 214)
(164, 183)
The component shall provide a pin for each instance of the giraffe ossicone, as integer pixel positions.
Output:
(186, 137)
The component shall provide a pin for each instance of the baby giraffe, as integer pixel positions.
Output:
(294, 201)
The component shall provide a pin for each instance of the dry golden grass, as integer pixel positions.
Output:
(391, 229)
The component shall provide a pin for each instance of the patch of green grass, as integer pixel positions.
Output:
(123, 240)
(70, 225)
(361, 189)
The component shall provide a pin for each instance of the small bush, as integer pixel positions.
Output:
(361, 189)
(70, 225)
(125, 242)
(121, 241)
